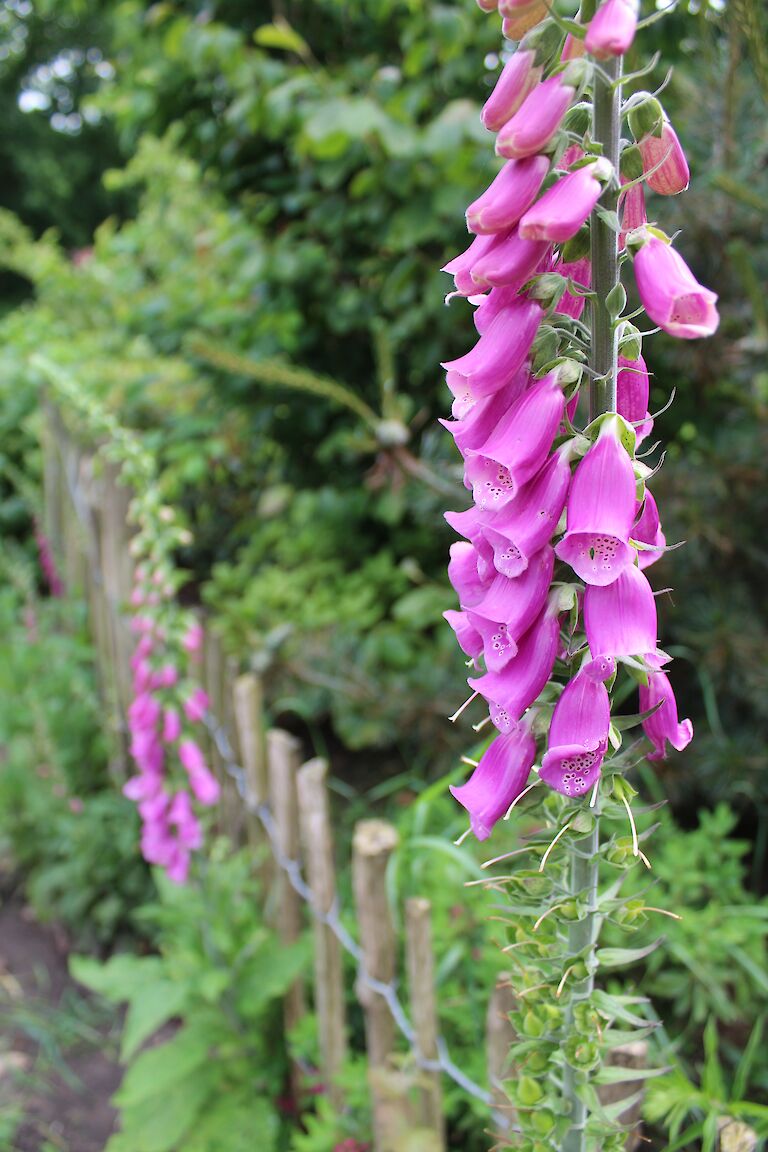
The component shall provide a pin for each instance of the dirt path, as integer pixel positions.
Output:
(48, 1022)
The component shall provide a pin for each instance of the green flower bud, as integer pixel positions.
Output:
(543, 1121)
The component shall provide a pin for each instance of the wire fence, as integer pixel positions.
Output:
(291, 867)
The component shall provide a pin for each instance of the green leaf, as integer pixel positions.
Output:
(744, 1067)
(159, 1123)
(618, 957)
(445, 848)
(150, 1007)
(712, 1081)
(160, 1068)
(610, 1075)
(281, 35)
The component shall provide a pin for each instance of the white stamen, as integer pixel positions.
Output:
(466, 704)
(471, 763)
(635, 845)
(661, 911)
(517, 799)
(504, 856)
(482, 724)
(644, 858)
(561, 985)
(593, 797)
(463, 837)
(545, 857)
(544, 915)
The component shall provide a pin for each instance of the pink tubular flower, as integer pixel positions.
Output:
(670, 293)
(633, 214)
(193, 638)
(508, 609)
(573, 49)
(469, 639)
(510, 692)
(518, 446)
(508, 196)
(527, 523)
(620, 618)
(510, 262)
(564, 207)
(536, 121)
(632, 389)
(648, 531)
(578, 736)
(612, 29)
(601, 511)
(499, 779)
(580, 272)
(204, 785)
(196, 705)
(171, 726)
(477, 423)
(664, 153)
(498, 355)
(464, 575)
(461, 267)
(517, 78)
(663, 725)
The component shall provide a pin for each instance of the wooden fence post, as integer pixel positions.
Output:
(421, 983)
(283, 759)
(500, 1036)
(317, 838)
(373, 843)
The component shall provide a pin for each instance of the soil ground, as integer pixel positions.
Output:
(57, 1050)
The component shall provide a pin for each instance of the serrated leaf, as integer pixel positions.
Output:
(619, 957)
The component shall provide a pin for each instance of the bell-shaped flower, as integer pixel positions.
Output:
(469, 639)
(578, 736)
(632, 390)
(171, 725)
(664, 161)
(537, 120)
(648, 531)
(509, 608)
(561, 211)
(476, 425)
(183, 819)
(663, 726)
(498, 355)
(464, 576)
(670, 293)
(512, 691)
(528, 522)
(620, 618)
(573, 49)
(510, 262)
(499, 778)
(461, 266)
(601, 512)
(509, 196)
(518, 446)
(517, 78)
(196, 705)
(612, 29)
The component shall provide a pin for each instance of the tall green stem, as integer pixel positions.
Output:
(583, 934)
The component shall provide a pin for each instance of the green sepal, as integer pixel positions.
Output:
(647, 117)
(631, 163)
(616, 300)
(578, 247)
(623, 723)
(630, 341)
(612, 421)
